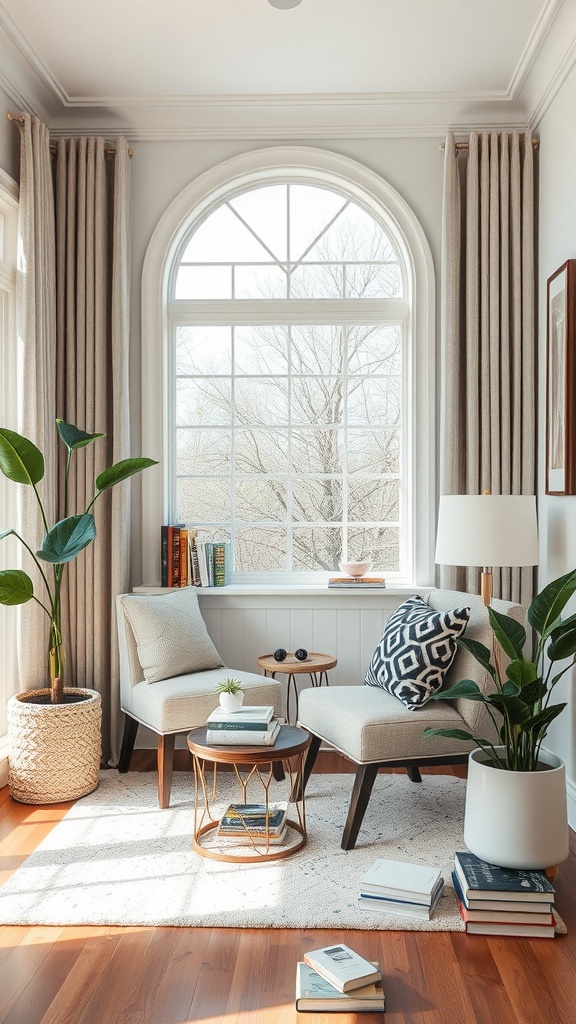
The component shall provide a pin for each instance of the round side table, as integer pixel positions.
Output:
(317, 666)
(251, 765)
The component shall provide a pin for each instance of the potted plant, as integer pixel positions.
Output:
(516, 792)
(54, 732)
(231, 695)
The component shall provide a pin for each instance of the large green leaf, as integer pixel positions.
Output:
(534, 692)
(521, 672)
(478, 651)
(16, 587)
(20, 460)
(73, 437)
(563, 646)
(510, 634)
(67, 539)
(548, 605)
(465, 688)
(121, 471)
(515, 709)
(453, 734)
(542, 720)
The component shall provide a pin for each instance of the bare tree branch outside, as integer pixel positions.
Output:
(289, 438)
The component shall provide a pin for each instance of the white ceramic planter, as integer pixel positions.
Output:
(516, 819)
(231, 702)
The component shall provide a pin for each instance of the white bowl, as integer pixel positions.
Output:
(356, 568)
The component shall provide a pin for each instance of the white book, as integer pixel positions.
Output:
(415, 882)
(342, 967)
(244, 737)
(247, 713)
(315, 994)
(402, 908)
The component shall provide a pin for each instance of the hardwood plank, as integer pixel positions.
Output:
(89, 975)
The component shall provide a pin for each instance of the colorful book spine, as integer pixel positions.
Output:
(163, 556)
(221, 561)
(183, 557)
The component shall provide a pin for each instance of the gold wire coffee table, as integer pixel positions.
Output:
(251, 765)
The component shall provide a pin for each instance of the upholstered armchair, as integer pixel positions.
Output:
(169, 669)
(374, 729)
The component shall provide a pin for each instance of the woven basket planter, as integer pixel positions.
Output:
(55, 749)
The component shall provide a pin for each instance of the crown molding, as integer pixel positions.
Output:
(548, 57)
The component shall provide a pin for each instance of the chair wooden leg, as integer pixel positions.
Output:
(311, 756)
(363, 783)
(128, 741)
(278, 771)
(414, 774)
(165, 762)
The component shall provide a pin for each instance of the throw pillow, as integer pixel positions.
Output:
(170, 634)
(416, 651)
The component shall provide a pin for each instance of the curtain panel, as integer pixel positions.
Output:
(80, 361)
(488, 343)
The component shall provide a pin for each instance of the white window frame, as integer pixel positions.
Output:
(313, 167)
(9, 682)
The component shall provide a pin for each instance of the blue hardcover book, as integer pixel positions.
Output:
(480, 880)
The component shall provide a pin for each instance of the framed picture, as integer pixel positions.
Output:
(560, 380)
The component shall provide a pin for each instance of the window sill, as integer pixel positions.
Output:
(293, 590)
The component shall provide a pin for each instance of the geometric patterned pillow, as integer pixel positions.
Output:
(416, 650)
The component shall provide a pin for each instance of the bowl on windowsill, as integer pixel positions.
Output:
(356, 569)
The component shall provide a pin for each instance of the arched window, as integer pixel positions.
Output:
(290, 391)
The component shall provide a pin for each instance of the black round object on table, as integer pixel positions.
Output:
(301, 654)
(280, 654)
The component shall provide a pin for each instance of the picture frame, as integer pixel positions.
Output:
(560, 380)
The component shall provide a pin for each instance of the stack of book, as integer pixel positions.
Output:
(188, 561)
(396, 887)
(503, 901)
(357, 581)
(254, 823)
(250, 726)
(335, 979)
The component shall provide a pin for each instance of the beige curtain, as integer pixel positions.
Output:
(36, 326)
(88, 386)
(488, 361)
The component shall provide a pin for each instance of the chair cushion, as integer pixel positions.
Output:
(170, 634)
(184, 702)
(416, 651)
(367, 724)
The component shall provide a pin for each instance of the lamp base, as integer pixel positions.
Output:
(486, 586)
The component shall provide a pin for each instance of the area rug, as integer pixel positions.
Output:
(116, 859)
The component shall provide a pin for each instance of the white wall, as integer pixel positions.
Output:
(557, 243)
(9, 139)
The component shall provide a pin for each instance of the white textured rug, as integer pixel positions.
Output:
(116, 859)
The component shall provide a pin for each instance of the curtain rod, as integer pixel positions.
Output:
(465, 145)
(19, 119)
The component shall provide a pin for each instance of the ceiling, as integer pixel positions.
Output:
(176, 68)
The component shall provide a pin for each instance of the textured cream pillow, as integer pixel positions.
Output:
(170, 634)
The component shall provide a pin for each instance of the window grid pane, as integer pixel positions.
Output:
(300, 469)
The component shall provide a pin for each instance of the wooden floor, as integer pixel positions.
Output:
(228, 976)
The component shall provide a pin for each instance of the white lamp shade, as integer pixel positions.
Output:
(487, 530)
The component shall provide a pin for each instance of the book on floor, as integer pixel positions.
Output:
(498, 907)
(404, 908)
(314, 994)
(480, 880)
(402, 880)
(342, 967)
(256, 717)
(244, 737)
(504, 916)
(527, 931)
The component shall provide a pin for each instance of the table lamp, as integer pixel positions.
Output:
(487, 530)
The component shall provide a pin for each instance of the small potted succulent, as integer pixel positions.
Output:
(231, 695)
